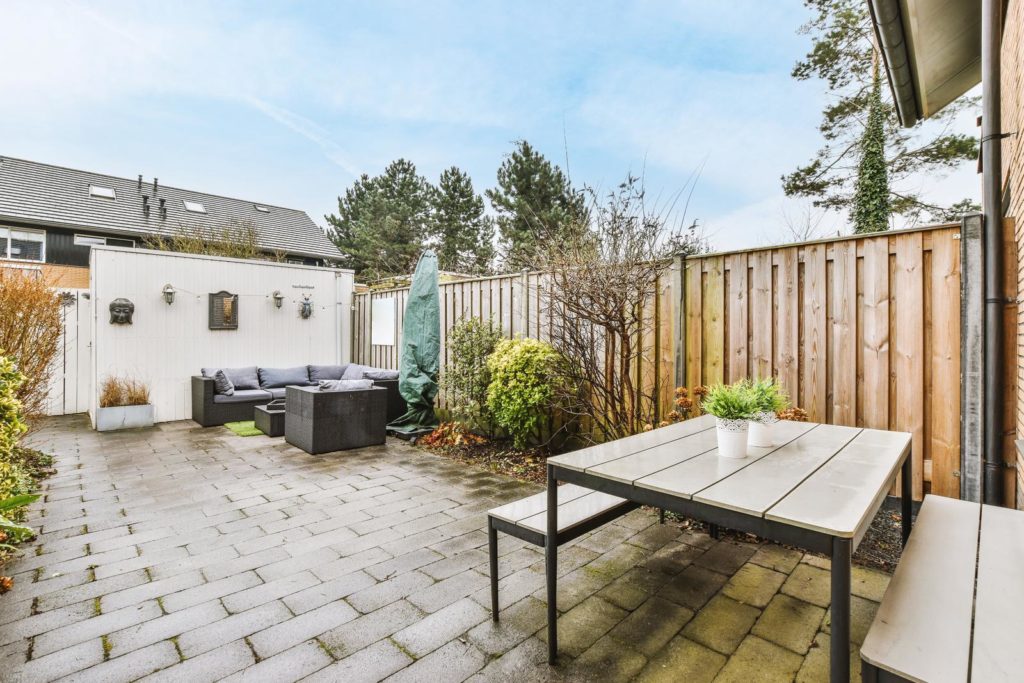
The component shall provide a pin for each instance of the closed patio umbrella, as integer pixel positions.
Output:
(421, 346)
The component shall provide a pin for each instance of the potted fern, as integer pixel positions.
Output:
(733, 406)
(770, 400)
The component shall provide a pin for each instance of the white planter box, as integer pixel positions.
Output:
(124, 417)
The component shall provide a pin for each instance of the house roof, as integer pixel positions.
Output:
(55, 196)
(932, 52)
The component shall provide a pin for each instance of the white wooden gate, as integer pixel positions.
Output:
(70, 378)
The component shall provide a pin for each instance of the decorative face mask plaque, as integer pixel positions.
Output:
(121, 312)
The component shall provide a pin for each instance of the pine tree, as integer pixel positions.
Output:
(383, 222)
(841, 56)
(871, 206)
(464, 234)
(534, 201)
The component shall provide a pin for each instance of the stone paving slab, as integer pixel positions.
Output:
(179, 553)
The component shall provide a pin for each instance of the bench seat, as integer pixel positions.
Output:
(922, 630)
(579, 510)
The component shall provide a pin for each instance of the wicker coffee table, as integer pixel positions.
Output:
(269, 420)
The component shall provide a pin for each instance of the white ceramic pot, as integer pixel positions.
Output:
(732, 438)
(124, 417)
(762, 430)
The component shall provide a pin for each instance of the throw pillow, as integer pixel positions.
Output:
(223, 385)
(354, 371)
(377, 373)
(345, 384)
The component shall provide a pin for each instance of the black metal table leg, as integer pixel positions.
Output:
(492, 547)
(839, 662)
(907, 496)
(551, 565)
(713, 531)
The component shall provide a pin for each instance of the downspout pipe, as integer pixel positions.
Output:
(995, 297)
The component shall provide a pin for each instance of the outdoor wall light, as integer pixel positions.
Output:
(278, 298)
(168, 292)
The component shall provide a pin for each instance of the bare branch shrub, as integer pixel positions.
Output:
(603, 275)
(123, 391)
(30, 331)
(234, 238)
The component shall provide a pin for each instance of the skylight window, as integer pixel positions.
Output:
(261, 209)
(102, 192)
(194, 207)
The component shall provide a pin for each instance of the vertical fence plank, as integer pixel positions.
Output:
(945, 362)
(843, 328)
(736, 310)
(761, 314)
(787, 350)
(908, 349)
(713, 321)
(814, 346)
(875, 335)
(694, 328)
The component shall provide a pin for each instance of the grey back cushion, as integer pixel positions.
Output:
(272, 378)
(241, 378)
(222, 385)
(345, 384)
(319, 372)
(377, 373)
(355, 371)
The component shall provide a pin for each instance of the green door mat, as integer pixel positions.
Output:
(246, 428)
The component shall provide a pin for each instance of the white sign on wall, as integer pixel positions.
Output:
(382, 322)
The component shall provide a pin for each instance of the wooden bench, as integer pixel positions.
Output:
(964, 563)
(579, 510)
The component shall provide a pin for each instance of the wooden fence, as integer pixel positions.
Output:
(862, 331)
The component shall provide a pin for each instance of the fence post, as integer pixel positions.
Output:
(524, 307)
(678, 294)
(972, 361)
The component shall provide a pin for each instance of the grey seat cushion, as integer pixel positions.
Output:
(241, 378)
(319, 372)
(243, 396)
(277, 392)
(345, 384)
(272, 378)
(377, 373)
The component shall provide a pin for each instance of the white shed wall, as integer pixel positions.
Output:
(167, 344)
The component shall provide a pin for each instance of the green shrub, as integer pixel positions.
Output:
(730, 401)
(466, 378)
(522, 388)
(14, 482)
(12, 426)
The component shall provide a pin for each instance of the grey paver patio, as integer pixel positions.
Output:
(182, 553)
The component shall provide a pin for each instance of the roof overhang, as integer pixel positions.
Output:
(931, 49)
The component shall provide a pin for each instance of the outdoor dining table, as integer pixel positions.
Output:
(817, 488)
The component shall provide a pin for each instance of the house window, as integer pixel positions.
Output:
(23, 245)
(194, 207)
(223, 311)
(102, 192)
(97, 241)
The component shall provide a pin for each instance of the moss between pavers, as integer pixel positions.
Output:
(682, 660)
(815, 668)
(583, 625)
(607, 660)
(862, 613)
(652, 625)
(777, 557)
(758, 660)
(809, 584)
(869, 583)
(693, 587)
(790, 623)
(754, 585)
(722, 624)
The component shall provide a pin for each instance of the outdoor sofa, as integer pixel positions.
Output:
(255, 386)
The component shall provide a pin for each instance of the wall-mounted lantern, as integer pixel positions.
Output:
(278, 298)
(306, 306)
(168, 292)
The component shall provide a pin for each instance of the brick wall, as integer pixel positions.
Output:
(1013, 178)
(67, 277)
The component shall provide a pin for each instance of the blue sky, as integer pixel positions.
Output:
(287, 103)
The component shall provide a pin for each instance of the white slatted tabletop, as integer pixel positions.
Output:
(997, 654)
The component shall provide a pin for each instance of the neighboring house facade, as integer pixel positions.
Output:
(51, 216)
(935, 52)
